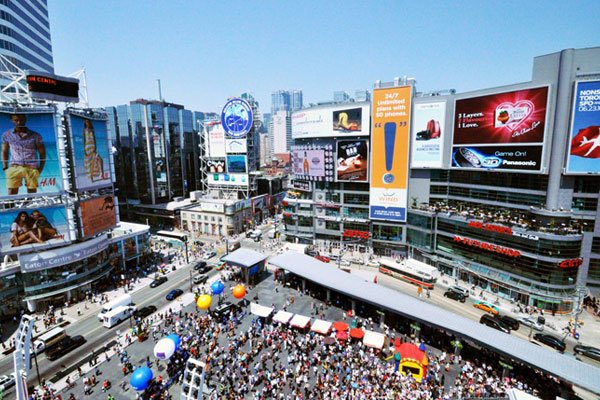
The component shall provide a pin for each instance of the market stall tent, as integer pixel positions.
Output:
(261, 311)
(374, 339)
(320, 326)
(282, 316)
(300, 321)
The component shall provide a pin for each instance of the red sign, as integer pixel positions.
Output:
(491, 227)
(574, 263)
(349, 233)
(494, 248)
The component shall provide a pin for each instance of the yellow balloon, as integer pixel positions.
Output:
(204, 301)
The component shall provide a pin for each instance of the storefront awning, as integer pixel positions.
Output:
(374, 339)
(320, 326)
(300, 321)
(282, 316)
(261, 311)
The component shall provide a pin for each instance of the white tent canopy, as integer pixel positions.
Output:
(374, 339)
(300, 321)
(261, 311)
(320, 326)
(282, 316)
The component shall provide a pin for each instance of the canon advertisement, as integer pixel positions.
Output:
(511, 158)
(584, 150)
(502, 118)
(427, 130)
(352, 161)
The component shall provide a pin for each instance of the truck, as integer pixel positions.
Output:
(124, 300)
(113, 317)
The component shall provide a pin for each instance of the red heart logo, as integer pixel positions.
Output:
(512, 115)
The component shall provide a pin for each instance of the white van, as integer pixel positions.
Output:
(113, 317)
(124, 300)
(48, 339)
(271, 234)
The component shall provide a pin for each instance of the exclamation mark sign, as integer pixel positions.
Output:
(389, 138)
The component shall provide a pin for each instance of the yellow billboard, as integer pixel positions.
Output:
(389, 159)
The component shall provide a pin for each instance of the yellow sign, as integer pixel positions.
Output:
(389, 160)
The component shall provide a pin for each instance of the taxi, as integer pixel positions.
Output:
(487, 307)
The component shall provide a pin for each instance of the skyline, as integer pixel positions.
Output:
(203, 54)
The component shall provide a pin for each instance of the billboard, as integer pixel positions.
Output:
(389, 157)
(237, 164)
(46, 86)
(352, 161)
(235, 145)
(502, 118)
(90, 152)
(228, 179)
(428, 134)
(584, 150)
(97, 215)
(309, 163)
(216, 166)
(29, 155)
(237, 118)
(502, 158)
(331, 121)
(25, 229)
(216, 140)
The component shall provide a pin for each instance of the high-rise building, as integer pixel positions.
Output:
(25, 30)
(280, 100)
(282, 132)
(296, 100)
(362, 95)
(341, 96)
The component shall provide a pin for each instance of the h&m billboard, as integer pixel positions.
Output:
(501, 131)
(331, 121)
(584, 148)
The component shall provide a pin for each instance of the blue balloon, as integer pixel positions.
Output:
(422, 346)
(176, 339)
(217, 287)
(140, 378)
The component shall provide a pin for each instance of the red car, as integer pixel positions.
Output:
(323, 259)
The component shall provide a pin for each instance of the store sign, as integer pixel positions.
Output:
(237, 118)
(65, 255)
(490, 227)
(488, 246)
(574, 263)
(350, 233)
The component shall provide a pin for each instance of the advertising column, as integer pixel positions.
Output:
(390, 141)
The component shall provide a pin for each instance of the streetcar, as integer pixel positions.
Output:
(410, 270)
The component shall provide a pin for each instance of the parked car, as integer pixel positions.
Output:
(144, 312)
(357, 260)
(510, 322)
(65, 346)
(311, 252)
(200, 279)
(588, 351)
(173, 294)
(373, 264)
(199, 265)
(158, 281)
(493, 323)
(344, 263)
(487, 307)
(459, 289)
(323, 259)
(209, 254)
(532, 323)
(7, 381)
(451, 294)
(334, 257)
(205, 269)
(551, 341)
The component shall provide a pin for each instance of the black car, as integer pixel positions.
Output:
(451, 294)
(551, 341)
(205, 269)
(492, 322)
(64, 346)
(588, 351)
(224, 309)
(144, 312)
(158, 281)
(511, 322)
(200, 279)
(199, 265)
(173, 294)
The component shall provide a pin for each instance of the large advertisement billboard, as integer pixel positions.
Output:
(332, 121)
(508, 158)
(97, 215)
(24, 229)
(352, 161)
(389, 157)
(584, 150)
(502, 118)
(90, 152)
(428, 131)
(216, 166)
(216, 140)
(237, 164)
(29, 155)
(309, 163)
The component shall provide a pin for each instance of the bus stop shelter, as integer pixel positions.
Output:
(251, 263)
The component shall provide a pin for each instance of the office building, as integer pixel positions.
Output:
(286, 100)
(281, 132)
(25, 30)
(341, 96)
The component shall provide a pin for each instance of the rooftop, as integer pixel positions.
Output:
(244, 257)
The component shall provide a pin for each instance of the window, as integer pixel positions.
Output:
(334, 226)
(360, 199)
(584, 204)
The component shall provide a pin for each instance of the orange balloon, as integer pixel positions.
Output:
(239, 291)
(204, 302)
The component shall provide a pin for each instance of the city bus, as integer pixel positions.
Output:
(410, 270)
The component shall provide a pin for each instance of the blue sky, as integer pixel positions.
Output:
(207, 51)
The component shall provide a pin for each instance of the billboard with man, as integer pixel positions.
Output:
(29, 155)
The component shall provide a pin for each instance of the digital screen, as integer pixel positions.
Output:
(52, 87)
